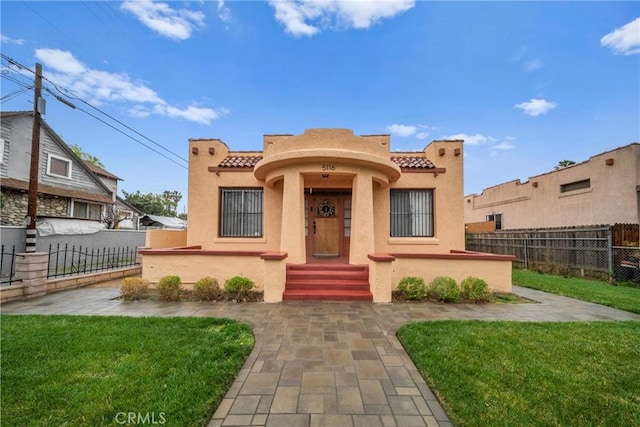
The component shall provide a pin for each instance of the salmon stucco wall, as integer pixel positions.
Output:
(496, 273)
(157, 239)
(193, 267)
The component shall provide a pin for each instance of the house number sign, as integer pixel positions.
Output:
(327, 167)
(326, 209)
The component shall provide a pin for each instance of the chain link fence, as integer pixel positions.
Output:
(586, 252)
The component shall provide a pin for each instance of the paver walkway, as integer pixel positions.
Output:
(325, 363)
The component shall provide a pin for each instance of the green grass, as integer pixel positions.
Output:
(77, 370)
(530, 374)
(623, 298)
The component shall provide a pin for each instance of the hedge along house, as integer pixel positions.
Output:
(326, 215)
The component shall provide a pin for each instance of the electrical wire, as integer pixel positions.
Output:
(66, 93)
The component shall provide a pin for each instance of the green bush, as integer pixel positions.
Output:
(445, 289)
(169, 288)
(133, 288)
(206, 289)
(474, 289)
(412, 288)
(238, 285)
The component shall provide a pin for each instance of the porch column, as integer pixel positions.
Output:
(292, 227)
(362, 229)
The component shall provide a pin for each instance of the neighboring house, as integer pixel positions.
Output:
(68, 187)
(600, 191)
(164, 222)
(121, 215)
(325, 215)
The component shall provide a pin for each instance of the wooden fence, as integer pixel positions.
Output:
(599, 251)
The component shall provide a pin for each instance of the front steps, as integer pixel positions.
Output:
(327, 282)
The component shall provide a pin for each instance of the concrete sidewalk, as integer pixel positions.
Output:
(325, 363)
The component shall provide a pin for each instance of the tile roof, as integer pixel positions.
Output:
(240, 161)
(249, 161)
(413, 162)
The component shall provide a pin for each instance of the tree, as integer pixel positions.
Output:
(564, 163)
(164, 204)
(77, 150)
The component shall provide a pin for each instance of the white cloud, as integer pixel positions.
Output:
(60, 60)
(536, 107)
(401, 130)
(476, 139)
(224, 13)
(422, 135)
(624, 40)
(532, 65)
(177, 24)
(98, 87)
(7, 39)
(307, 17)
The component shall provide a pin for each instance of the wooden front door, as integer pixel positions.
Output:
(326, 226)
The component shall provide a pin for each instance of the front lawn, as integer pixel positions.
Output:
(78, 370)
(623, 298)
(530, 374)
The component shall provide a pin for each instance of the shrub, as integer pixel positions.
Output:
(206, 289)
(474, 289)
(445, 289)
(169, 288)
(412, 288)
(133, 288)
(238, 285)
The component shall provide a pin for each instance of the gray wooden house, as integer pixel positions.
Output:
(67, 187)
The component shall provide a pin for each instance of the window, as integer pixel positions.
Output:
(241, 212)
(411, 213)
(347, 218)
(87, 210)
(578, 185)
(497, 220)
(58, 166)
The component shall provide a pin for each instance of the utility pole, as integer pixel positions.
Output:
(32, 202)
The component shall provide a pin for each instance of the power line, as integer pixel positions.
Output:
(66, 92)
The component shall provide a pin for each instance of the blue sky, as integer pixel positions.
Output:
(526, 84)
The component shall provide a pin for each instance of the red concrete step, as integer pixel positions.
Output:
(326, 295)
(337, 282)
(328, 267)
(328, 275)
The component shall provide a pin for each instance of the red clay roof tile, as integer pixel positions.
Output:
(239, 161)
(413, 162)
(249, 161)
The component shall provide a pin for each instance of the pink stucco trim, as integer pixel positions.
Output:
(457, 254)
(274, 256)
(196, 250)
(381, 257)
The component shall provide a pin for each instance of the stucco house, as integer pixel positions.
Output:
(325, 215)
(603, 190)
(70, 191)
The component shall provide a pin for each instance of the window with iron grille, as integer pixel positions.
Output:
(411, 213)
(241, 212)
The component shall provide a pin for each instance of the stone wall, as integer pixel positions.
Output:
(14, 206)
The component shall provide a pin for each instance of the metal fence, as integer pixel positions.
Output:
(71, 260)
(586, 252)
(7, 265)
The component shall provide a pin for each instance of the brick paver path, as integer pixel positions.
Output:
(325, 363)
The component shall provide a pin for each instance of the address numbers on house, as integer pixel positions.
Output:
(327, 167)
